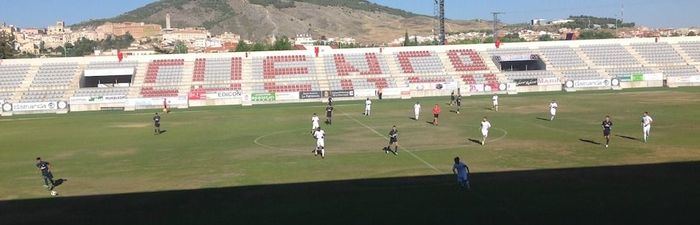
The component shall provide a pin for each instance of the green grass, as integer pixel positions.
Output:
(220, 152)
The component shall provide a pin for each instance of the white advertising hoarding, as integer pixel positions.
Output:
(33, 106)
(591, 83)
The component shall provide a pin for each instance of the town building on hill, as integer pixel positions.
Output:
(137, 30)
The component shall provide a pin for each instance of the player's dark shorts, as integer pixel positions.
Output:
(156, 125)
(459, 103)
(436, 115)
(393, 140)
(329, 115)
(606, 132)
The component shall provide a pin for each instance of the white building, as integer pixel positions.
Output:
(304, 39)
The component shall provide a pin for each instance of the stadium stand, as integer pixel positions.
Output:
(55, 75)
(581, 74)
(464, 60)
(284, 73)
(675, 71)
(531, 74)
(420, 62)
(658, 53)
(6, 95)
(363, 64)
(91, 92)
(11, 76)
(692, 48)
(162, 78)
(172, 76)
(612, 55)
(488, 79)
(218, 74)
(112, 65)
(627, 71)
(562, 57)
(51, 82)
(348, 71)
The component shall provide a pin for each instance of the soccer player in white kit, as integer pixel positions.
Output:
(320, 136)
(314, 123)
(495, 102)
(553, 109)
(368, 107)
(646, 125)
(485, 125)
(416, 110)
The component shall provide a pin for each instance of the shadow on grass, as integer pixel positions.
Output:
(542, 118)
(59, 182)
(590, 141)
(635, 194)
(628, 137)
(478, 142)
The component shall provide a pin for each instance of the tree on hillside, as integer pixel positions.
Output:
(590, 34)
(242, 47)
(282, 43)
(83, 47)
(545, 37)
(692, 33)
(180, 48)
(406, 40)
(7, 45)
(259, 47)
(117, 42)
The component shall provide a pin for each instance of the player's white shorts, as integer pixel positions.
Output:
(485, 133)
(646, 129)
(320, 142)
(314, 125)
(368, 108)
(553, 112)
(495, 102)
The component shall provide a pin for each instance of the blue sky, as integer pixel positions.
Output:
(654, 13)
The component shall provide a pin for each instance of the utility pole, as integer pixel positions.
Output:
(439, 11)
(622, 12)
(495, 23)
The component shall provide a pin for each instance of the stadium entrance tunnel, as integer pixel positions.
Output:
(667, 193)
(519, 62)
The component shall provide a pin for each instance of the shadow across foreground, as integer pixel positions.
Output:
(637, 194)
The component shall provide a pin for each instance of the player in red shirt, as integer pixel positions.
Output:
(436, 114)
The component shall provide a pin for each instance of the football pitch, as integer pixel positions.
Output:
(254, 165)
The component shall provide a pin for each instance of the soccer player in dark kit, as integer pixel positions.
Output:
(156, 124)
(458, 101)
(329, 114)
(393, 140)
(46, 174)
(607, 126)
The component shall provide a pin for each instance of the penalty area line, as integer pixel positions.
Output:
(405, 149)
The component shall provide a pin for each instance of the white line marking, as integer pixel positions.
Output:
(29, 118)
(405, 149)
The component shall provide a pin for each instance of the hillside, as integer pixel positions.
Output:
(258, 19)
